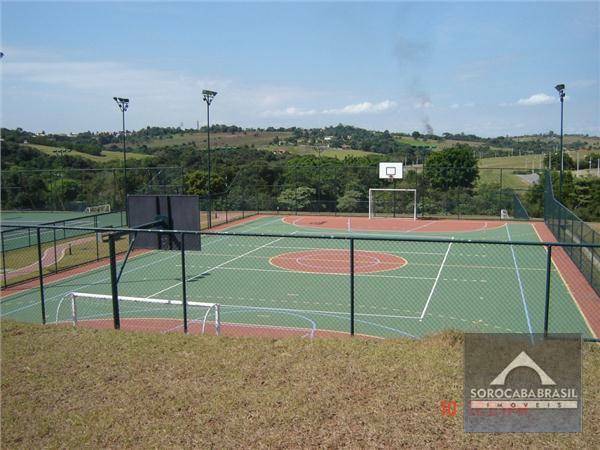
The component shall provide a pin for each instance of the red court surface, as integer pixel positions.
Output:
(159, 325)
(390, 224)
(334, 261)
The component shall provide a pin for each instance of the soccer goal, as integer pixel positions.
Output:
(139, 313)
(97, 209)
(393, 203)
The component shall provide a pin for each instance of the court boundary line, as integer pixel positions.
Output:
(521, 288)
(435, 283)
(285, 270)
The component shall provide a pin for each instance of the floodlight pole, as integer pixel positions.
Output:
(123, 104)
(561, 92)
(208, 97)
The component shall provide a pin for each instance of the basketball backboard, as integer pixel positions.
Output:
(390, 170)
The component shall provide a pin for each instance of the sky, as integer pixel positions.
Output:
(475, 67)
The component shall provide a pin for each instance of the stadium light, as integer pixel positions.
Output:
(561, 92)
(208, 97)
(123, 104)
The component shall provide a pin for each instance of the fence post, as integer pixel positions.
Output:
(593, 250)
(55, 253)
(351, 286)
(548, 272)
(41, 270)
(97, 234)
(3, 258)
(184, 285)
(113, 282)
(581, 242)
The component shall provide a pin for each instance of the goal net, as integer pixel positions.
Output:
(393, 203)
(138, 313)
(98, 209)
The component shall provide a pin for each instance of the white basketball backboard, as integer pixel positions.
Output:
(391, 170)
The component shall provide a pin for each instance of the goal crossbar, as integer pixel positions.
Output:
(74, 297)
(372, 202)
(97, 209)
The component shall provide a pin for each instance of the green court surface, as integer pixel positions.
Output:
(17, 231)
(36, 217)
(301, 285)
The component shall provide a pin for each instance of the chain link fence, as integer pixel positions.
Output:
(314, 286)
(567, 227)
(65, 244)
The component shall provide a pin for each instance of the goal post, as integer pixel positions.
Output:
(374, 202)
(166, 314)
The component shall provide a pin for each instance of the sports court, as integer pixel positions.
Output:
(275, 275)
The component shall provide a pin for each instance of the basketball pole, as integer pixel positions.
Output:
(394, 207)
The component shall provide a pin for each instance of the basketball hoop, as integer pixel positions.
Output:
(391, 178)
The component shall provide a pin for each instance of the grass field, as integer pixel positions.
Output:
(106, 155)
(339, 153)
(402, 289)
(74, 388)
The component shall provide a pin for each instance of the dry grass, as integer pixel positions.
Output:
(73, 388)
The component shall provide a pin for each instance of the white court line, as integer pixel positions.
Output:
(422, 226)
(216, 267)
(521, 289)
(435, 282)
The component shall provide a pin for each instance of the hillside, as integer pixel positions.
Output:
(238, 139)
(170, 390)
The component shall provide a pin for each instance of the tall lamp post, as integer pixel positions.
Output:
(208, 97)
(561, 92)
(123, 104)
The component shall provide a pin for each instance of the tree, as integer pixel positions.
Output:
(569, 164)
(197, 183)
(454, 167)
(416, 135)
(296, 199)
(350, 201)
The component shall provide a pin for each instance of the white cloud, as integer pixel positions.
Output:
(291, 111)
(464, 105)
(364, 107)
(358, 108)
(536, 99)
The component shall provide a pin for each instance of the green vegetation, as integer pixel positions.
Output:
(128, 389)
(455, 167)
(251, 168)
